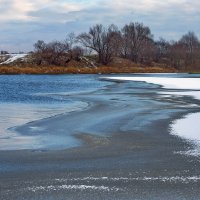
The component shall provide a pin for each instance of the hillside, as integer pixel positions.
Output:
(23, 64)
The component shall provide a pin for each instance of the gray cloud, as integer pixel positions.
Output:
(51, 20)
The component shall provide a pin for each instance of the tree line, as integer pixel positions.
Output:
(134, 41)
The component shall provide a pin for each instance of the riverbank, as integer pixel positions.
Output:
(81, 70)
(53, 70)
(127, 150)
(88, 65)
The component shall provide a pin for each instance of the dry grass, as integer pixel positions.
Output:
(80, 70)
(118, 65)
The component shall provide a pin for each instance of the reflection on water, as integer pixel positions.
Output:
(17, 114)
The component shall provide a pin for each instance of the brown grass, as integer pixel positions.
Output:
(118, 65)
(80, 70)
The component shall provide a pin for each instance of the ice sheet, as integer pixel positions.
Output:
(169, 83)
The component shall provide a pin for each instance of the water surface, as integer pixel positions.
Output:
(27, 98)
(30, 98)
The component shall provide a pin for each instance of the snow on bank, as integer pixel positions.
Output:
(14, 57)
(188, 127)
(169, 83)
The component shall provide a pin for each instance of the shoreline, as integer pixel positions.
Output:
(37, 138)
(59, 70)
(24, 129)
(140, 165)
(55, 70)
(136, 157)
(185, 87)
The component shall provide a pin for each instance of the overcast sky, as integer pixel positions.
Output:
(23, 22)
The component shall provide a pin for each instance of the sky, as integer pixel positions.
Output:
(23, 22)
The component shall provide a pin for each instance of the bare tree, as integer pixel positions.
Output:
(135, 36)
(50, 53)
(177, 55)
(101, 41)
(134, 41)
(77, 53)
(162, 50)
(71, 39)
(56, 52)
(147, 52)
(40, 49)
(191, 45)
(40, 46)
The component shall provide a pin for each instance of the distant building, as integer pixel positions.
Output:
(3, 52)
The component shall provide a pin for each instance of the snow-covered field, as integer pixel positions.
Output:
(14, 57)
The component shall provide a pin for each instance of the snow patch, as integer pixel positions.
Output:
(188, 129)
(14, 57)
(169, 83)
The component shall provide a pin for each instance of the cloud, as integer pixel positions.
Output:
(14, 10)
(25, 21)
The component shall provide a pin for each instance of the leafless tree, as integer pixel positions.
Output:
(147, 53)
(177, 55)
(162, 47)
(101, 40)
(71, 39)
(50, 53)
(135, 37)
(134, 41)
(77, 53)
(191, 45)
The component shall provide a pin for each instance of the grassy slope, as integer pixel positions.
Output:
(76, 70)
(118, 65)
